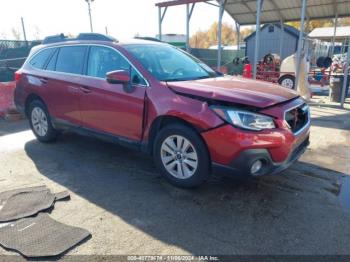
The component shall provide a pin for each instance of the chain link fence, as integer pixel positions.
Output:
(12, 56)
(210, 57)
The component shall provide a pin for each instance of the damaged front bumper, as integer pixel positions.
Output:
(242, 165)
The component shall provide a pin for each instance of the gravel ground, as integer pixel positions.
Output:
(119, 196)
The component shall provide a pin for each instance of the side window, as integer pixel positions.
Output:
(39, 60)
(71, 59)
(136, 78)
(52, 63)
(103, 60)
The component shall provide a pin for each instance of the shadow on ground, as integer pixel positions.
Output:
(297, 212)
(336, 118)
(9, 127)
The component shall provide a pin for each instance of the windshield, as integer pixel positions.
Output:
(167, 63)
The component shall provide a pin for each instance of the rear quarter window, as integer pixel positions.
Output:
(40, 59)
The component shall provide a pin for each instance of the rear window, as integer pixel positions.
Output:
(40, 59)
(71, 59)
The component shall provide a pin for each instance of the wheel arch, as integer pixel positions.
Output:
(285, 76)
(165, 120)
(30, 98)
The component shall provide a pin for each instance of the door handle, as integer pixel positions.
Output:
(73, 89)
(43, 80)
(85, 89)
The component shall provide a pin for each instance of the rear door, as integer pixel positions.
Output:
(108, 107)
(35, 80)
(64, 83)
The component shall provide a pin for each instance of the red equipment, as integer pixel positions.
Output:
(269, 68)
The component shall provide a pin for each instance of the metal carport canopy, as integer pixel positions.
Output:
(244, 11)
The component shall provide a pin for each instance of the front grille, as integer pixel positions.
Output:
(297, 118)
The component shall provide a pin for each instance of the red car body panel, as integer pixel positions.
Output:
(107, 107)
(164, 102)
(236, 90)
(62, 97)
(57, 90)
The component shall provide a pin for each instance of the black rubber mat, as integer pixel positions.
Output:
(41, 236)
(20, 203)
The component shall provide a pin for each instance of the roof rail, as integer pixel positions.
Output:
(81, 36)
(96, 36)
(147, 38)
(54, 39)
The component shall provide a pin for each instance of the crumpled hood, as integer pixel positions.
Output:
(235, 90)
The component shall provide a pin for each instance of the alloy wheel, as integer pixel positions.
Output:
(39, 121)
(179, 156)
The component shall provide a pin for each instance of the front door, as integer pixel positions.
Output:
(108, 107)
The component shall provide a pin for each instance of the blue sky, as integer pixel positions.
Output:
(124, 18)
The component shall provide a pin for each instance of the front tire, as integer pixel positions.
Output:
(40, 122)
(181, 155)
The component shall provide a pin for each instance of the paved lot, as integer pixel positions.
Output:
(118, 195)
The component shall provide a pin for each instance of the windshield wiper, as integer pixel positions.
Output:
(174, 79)
(187, 79)
(203, 77)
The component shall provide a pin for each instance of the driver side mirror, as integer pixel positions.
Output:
(118, 77)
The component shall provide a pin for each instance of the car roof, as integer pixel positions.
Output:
(95, 42)
(110, 43)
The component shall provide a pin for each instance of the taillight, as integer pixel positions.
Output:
(18, 75)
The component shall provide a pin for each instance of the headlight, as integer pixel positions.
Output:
(244, 119)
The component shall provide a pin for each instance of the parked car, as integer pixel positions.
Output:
(287, 75)
(157, 98)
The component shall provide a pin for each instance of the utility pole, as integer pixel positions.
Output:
(89, 9)
(24, 30)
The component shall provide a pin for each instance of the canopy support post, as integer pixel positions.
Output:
(238, 32)
(187, 27)
(160, 21)
(334, 35)
(300, 43)
(259, 4)
(221, 13)
(346, 75)
(281, 39)
(188, 19)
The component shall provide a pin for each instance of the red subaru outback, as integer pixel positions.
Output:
(159, 99)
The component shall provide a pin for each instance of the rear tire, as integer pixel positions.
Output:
(40, 122)
(181, 155)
